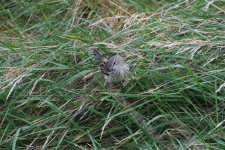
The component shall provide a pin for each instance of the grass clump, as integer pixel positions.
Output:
(49, 77)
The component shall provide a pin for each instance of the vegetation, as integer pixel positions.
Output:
(51, 90)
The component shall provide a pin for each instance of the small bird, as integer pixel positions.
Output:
(115, 69)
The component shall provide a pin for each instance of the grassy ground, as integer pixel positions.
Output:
(49, 77)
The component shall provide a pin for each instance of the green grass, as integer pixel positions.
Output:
(49, 76)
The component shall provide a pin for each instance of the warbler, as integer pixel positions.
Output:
(115, 69)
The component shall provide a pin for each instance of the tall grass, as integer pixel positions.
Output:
(50, 81)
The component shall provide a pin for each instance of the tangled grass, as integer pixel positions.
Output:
(48, 76)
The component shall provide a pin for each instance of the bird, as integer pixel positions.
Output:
(115, 69)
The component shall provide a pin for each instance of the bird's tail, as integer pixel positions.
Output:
(100, 55)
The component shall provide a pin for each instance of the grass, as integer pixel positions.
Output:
(48, 76)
